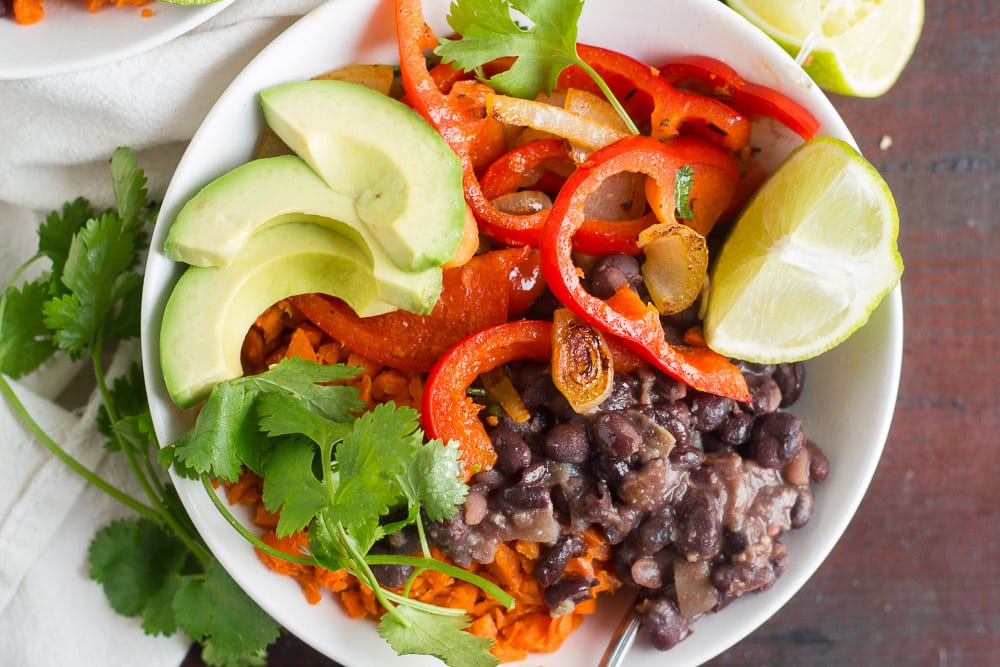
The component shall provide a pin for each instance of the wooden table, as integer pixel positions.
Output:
(916, 578)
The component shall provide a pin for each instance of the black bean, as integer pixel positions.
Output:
(611, 273)
(612, 470)
(552, 562)
(616, 435)
(534, 384)
(802, 509)
(790, 379)
(765, 395)
(475, 508)
(598, 504)
(753, 370)
(663, 622)
(776, 439)
(675, 416)
(625, 391)
(516, 498)
(699, 534)
(567, 443)
(405, 541)
(535, 474)
(488, 480)
(685, 457)
(606, 281)
(819, 465)
(513, 453)
(573, 590)
(676, 324)
(619, 523)
(656, 530)
(736, 428)
(391, 576)
(733, 541)
(646, 572)
(735, 579)
(708, 411)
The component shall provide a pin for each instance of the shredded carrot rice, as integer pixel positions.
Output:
(527, 628)
(27, 12)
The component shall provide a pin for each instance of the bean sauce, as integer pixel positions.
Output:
(693, 490)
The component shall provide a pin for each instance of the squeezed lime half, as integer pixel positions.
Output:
(851, 47)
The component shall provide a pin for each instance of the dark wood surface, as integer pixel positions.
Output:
(916, 577)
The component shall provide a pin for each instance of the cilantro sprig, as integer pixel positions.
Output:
(154, 566)
(540, 34)
(347, 481)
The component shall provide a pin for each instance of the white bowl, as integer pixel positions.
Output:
(850, 392)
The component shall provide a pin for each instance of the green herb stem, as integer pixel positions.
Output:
(245, 532)
(77, 467)
(609, 95)
(486, 585)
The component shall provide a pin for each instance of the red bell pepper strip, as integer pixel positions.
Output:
(750, 99)
(447, 410)
(447, 114)
(625, 315)
(488, 289)
(521, 167)
(670, 111)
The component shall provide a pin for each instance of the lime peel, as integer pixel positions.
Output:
(808, 260)
(850, 47)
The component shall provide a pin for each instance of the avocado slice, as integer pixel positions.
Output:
(217, 222)
(210, 310)
(403, 178)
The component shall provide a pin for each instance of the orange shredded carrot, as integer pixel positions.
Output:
(528, 627)
(27, 12)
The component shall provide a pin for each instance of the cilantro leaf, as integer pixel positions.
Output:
(683, 180)
(326, 547)
(226, 435)
(26, 341)
(134, 560)
(55, 236)
(283, 414)
(414, 630)
(129, 184)
(307, 382)
(214, 609)
(222, 435)
(489, 31)
(128, 399)
(97, 274)
(539, 34)
(370, 461)
(291, 487)
(433, 478)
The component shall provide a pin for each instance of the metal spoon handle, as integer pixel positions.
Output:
(622, 639)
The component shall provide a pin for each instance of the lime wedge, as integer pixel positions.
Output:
(851, 47)
(808, 260)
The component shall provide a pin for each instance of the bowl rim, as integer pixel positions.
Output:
(236, 110)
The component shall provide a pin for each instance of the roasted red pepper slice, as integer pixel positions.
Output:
(522, 167)
(751, 99)
(448, 412)
(486, 290)
(670, 111)
(625, 315)
(448, 114)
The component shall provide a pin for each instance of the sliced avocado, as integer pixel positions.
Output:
(404, 179)
(210, 310)
(218, 221)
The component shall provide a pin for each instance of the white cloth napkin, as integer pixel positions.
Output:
(56, 136)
